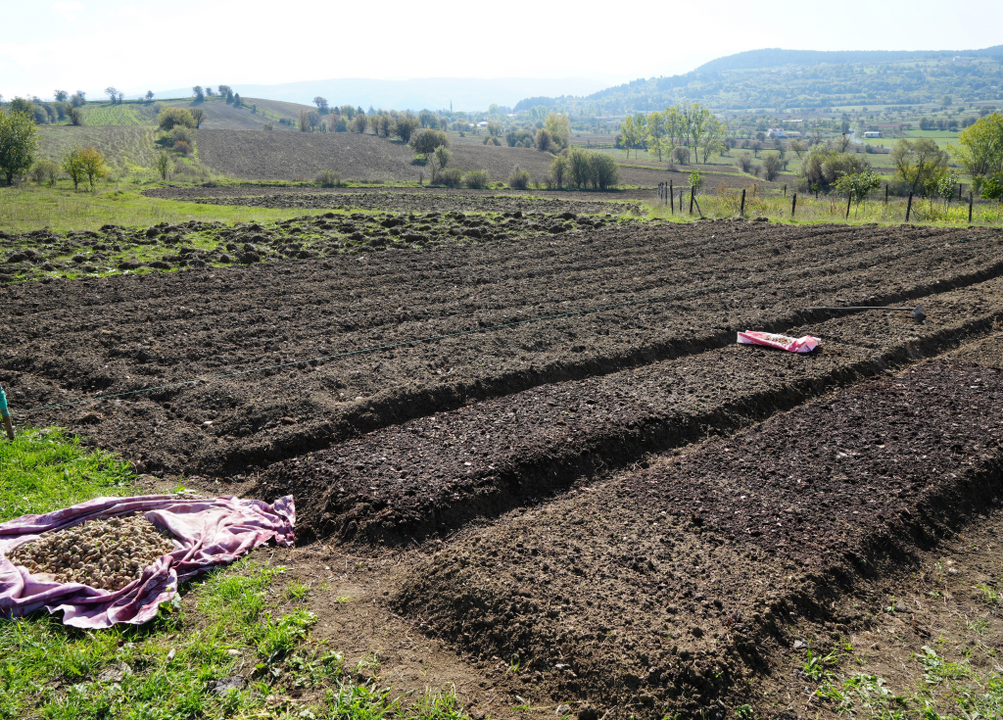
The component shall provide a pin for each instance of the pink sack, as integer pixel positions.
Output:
(208, 532)
(781, 342)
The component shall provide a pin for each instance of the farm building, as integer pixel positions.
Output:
(872, 134)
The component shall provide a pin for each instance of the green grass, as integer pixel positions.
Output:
(127, 149)
(62, 209)
(831, 208)
(131, 113)
(44, 469)
(223, 626)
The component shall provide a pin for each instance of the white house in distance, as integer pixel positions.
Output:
(872, 134)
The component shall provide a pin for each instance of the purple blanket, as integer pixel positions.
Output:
(207, 532)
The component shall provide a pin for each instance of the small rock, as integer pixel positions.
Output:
(563, 710)
(224, 685)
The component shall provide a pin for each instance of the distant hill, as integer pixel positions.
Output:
(804, 79)
(777, 57)
(466, 94)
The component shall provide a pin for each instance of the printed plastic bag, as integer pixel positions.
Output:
(781, 342)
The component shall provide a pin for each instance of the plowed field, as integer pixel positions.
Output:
(562, 469)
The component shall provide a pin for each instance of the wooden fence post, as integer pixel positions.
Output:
(886, 193)
(849, 199)
(794, 205)
(693, 195)
(672, 198)
(742, 209)
(908, 208)
(971, 201)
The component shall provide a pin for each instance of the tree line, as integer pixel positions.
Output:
(673, 133)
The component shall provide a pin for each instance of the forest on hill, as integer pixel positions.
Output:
(803, 80)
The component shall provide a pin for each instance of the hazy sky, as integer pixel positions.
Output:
(137, 46)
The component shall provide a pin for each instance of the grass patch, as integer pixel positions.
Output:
(45, 469)
(63, 210)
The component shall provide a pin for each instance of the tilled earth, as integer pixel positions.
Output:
(559, 464)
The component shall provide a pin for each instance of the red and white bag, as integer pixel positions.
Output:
(781, 342)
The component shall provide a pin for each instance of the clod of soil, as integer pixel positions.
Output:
(104, 554)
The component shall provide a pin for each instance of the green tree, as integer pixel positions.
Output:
(425, 142)
(74, 167)
(558, 170)
(771, 166)
(699, 121)
(544, 141)
(90, 163)
(198, 115)
(655, 124)
(45, 171)
(18, 143)
(75, 115)
(559, 127)
(438, 160)
(629, 135)
(405, 126)
(163, 164)
(917, 161)
(199, 93)
(321, 104)
(857, 186)
(169, 117)
(112, 93)
(981, 151)
(61, 95)
(359, 122)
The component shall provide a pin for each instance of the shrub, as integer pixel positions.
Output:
(744, 163)
(518, 138)
(588, 168)
(492, 140)
(45, 171)
(75, 116)
(519, 179)
(681, 155)
(328, 178)
(451, 177)
(477, 179)
(359, 123)
(341, 125)
(822, 166)
(182, 147)
(180, 133)
(169, 117)
(163, 164)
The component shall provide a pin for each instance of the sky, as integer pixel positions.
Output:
(137, 46)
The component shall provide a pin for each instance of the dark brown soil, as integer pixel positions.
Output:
(662, 590)
(425, 199)
(508, 439)
(281, 341)
(434, 474)
(256, 155)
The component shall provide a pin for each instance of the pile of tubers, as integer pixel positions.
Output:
(104, 554)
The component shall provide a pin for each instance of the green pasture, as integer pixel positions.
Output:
(61, 209)
(244, 620)
(128, 149)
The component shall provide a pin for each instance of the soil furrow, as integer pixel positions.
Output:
(434, 474)
(666, 589)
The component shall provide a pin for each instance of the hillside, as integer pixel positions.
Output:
(254, 115)
(792, 79)
(301, 156)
